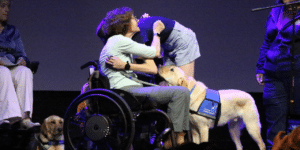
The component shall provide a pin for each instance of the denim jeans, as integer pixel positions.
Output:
(276, 99)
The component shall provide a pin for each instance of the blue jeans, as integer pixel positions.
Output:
(276, 98)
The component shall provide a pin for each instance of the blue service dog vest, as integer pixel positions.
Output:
(211, 105)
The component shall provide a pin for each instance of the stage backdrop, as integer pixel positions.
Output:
(60, 34)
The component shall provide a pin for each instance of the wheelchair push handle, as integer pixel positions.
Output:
(90, 63)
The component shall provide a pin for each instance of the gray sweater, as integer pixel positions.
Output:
(124, 48)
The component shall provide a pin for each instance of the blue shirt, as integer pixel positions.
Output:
(11, 45)
(146, 29)
(275, 53)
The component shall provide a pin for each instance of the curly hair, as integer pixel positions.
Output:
(116, 22)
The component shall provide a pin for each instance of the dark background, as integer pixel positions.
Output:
(60, 34)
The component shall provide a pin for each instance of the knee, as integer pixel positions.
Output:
(184, 92)
(4, 73)
(26, 72)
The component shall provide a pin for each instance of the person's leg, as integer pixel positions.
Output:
(297, 95)
(275, 98)
(182, 49)
(23, 81)
(9, 104)
(189, 69)
(178, 100)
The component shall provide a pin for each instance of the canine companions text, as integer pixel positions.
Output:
(237, 109)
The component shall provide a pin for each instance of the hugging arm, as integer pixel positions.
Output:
(148, 66)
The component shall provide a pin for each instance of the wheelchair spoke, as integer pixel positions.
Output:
(104, 122)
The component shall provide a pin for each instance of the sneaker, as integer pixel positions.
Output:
(4, 124)
(28, 124)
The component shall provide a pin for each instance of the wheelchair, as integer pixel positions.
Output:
(113, 119)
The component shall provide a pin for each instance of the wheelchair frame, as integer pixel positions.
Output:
(109, 118)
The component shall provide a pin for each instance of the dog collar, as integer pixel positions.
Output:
(193, 89)
(59, 142)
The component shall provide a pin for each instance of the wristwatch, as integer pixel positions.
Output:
(127, 66)
(157, 34)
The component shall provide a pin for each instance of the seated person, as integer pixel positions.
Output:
(116, 30)
(16, 80)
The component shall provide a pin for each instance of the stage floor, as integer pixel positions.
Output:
(48, 103)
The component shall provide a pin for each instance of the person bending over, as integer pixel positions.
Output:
(179, 43)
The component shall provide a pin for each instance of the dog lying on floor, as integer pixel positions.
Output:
(51, 135)
(237, 109)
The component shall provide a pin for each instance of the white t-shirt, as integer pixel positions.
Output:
(124, 48)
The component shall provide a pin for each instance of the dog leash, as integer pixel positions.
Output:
(41, 142)
(192, 90)
(134, 78)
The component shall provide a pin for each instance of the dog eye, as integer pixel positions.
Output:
(53, 122)
(172, 69)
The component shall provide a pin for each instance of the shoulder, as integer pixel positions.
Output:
(275, 12)
(11, 30)
(11, 27)
(119, 40)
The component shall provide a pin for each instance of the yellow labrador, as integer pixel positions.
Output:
(51, 135)
(237, 109)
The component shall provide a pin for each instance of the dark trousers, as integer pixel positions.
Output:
(177, 98)
(276, 99)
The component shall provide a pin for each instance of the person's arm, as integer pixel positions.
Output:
(158, 27)
(268, 40)
(20, 54)
(148, 66)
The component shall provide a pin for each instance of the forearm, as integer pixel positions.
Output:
(156, 44)
(145, 67)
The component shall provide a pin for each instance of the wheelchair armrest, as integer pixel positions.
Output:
(90, 63)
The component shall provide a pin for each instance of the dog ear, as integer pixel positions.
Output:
(44, 128)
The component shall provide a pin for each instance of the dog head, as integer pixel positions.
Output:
(293, 141)
(173, 75)
(52, 127)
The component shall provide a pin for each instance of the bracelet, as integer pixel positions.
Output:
(127, 66)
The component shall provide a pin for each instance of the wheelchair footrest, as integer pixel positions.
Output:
(162, 136)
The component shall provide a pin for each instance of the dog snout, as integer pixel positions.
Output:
(59, 129)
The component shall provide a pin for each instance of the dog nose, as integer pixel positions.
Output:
(59, 129)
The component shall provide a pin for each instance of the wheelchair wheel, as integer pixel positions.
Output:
(106, 123)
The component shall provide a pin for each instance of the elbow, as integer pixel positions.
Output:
(157, 54)
(153, 70)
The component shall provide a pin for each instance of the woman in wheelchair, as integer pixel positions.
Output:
(116, 59)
